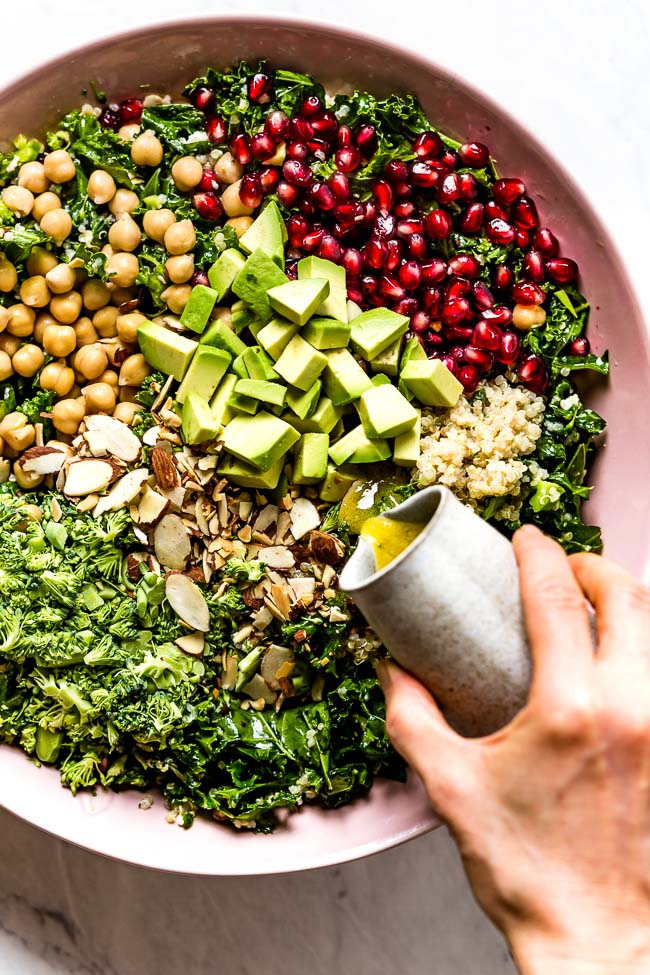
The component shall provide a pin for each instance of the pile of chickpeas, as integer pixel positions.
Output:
(81, 322)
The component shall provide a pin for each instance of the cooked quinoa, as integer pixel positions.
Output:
(476, 448)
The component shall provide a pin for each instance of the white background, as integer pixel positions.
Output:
(576, 73)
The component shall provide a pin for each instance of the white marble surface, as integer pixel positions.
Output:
(578, 73)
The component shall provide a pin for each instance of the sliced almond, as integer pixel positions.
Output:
(193, 643)
(164, 468)
(258, 689)
(152, 507)
(277, 556)
(172, 542)
(175, 496)
(274, 663)
(120, 440)
(267, 517)
(150, 436)
(229, 674)
(42, 460)
(87, 477)
(122, 492)
(96, 442)
(304, 517)
(187, 601)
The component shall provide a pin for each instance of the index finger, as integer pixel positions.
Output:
(555, 613)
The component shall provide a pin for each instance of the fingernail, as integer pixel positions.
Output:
(385, 675)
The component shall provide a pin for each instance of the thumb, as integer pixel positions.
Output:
(420, 733)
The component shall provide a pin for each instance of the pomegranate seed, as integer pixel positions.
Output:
(396, 171)
(534, 266)
(322, 196)
(339, 231)
(370, 284)
(240, 148)
(394, 254)
(562, 270)
(375, 252)
(276, 125)
(326, 125)
(522, 239)
(532, 372)
(450, 363)
(506, 191)
(297, 150)
(291, 270)
(349, 212)
(297, 227)
(269, 178)
(110, 119)
(480, 358)
(390, 288)
(508, 351)
(130, 111)
(288, 194)
(366, 139)
(474, 154)
(524, 213)
(385, 225)
(482, 296)
(431, 299)
(494, 211)
(423, 174)
(297, 172)
(500, 232)
(458, 288)
(202, 98)
(312, 105)
(199, 277)
(503, 278)
(344, 136)
(208, 205)
(330, 249)
(383, 194)
(454, 310)
(339, 185)
(468, 187)
(471, 220)
(411, 226)
(404, 210)
(208, 181)
(407, 307)
(250, 190)
(352, 262)
(420, 321)
(356, 295)
(459, 334)
(450, 159)
(546, 242)
(417, 246)
(410, 275)
(464, 265)
(216, 129)
(469, 377)
(527, 293)
(369, 214)
(434, 271)
(347, 159)
(259, 88)
(438, 224)
(300, 129)
(427, 145)
(497, 315)
(262, 146)
(487, 336)
(306, 208)
(313, 239)
(579, 346)
(403, 191)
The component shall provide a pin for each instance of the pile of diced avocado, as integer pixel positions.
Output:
(284, 374)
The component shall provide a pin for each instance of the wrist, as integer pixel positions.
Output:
(604, 954)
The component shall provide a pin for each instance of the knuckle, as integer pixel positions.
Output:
(398, 724)
(629, 725)
(560, 596)
(632, 597)
(571, 720)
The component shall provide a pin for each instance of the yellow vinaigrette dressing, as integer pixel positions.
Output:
(388, 537)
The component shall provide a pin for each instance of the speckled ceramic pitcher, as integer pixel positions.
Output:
(448, 609)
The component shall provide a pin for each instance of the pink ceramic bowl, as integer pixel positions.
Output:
(165, 57)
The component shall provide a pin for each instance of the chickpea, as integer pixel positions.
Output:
(67, 414)
(59, 167)
(43, 319)
(120, 296)
(21, 321)
(124, 235)
(101, 186)
(45, 203)
(19, 199)
(41, 261)
(32, 176)
(27, 480)
(28, 360)
(95, 295)
(86, 332)
(34, 292)
(180, 237)
(116, 351)
(58, 377)
(4, 318)
(231, 202)
(59, 340)
(105, 321)
(10, 344)
(61, 279)
(107, 250)
(278, 156)
(134, 370)
(180, 269)
(80, 274)
(127, 133)
(109, 376)
(58, 224)
(66, 308)
(124, 201)
(147, 150)
(240, 224)
(227, 169)
(128, 394)
(100, 398)
(157, 222)
(176, 297)
(187, 172)
(91, 361)
(8, 274)
(17, 433)
(127, 412)
(6, 368)
(525, 317)
(123, 269)
(127, 327)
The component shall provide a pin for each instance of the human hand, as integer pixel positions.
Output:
(552, 813)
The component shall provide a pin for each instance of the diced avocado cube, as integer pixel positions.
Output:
(267, 233)
(336, 303)
(374, 330)
(310, 464)
(259, 440)
(298, 300)
(198, 309)
(224, 271)
(344, 378)
(384, 412)
(337, 483)
(221, 412)
(239, 367)
(412, 350)
(406, 449)
(242, 404)
(221, 336)
(259, 274)
(241, 317)
(388, 361)
(431, 382)
(337, 431)
(165, 350)
(262, 390)
(205, 372)
(258, 364)
(247, 476)
(326, 333)
(300, 364)
(255, 327)
(322, 420)
(276, 335)
(304, 404)
(198, 422)
(356, 447)
(380, 379)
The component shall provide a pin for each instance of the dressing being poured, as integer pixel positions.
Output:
(388, 537)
